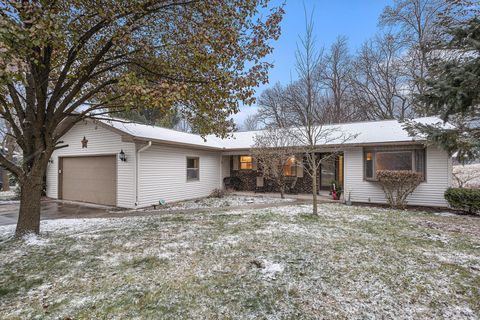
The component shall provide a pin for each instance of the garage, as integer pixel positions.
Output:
(88, 179)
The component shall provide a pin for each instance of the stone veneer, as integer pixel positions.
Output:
(248, 182)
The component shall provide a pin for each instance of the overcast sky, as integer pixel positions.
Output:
(355, 19)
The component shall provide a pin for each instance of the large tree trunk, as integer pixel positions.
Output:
(30, 195)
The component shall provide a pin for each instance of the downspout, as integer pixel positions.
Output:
(222, 164)
(137, 158)
(221, 172)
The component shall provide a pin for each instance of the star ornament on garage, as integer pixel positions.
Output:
(84, 143)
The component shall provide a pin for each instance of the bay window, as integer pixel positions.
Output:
(393, 159)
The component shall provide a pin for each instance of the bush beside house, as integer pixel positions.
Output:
(397, 185)
(464, 199)
(218, 193)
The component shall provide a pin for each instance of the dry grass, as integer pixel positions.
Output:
(350, 262)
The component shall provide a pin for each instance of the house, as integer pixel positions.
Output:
(132, 165)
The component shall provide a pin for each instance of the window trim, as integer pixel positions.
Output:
(413, 151)
(240, 162)
(197, 169)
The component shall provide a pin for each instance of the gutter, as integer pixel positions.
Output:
(177, 144)
(145, 147)
(234, 151)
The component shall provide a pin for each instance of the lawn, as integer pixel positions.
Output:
(275, 263)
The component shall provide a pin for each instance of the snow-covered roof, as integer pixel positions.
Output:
(160, 134)
(373, 132)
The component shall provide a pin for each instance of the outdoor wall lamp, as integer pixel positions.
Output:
(122, 156)
(50, 160)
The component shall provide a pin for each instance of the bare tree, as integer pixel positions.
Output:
(251, 123)
(303, 96)
(467, 176)
(379, 82)
(416, 22)
(416, 19)
(274, 150)
(334, 72)
(273, 109)
(310, 137)
(183, 125)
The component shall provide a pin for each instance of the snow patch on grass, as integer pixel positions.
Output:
(227, 201)
(6, 196)
(456, 258)
(271, 269)
(459, 312)
(80, 302)
(294, 210)
(77, 227)
(32, 239)
(230, 240)
(269, 263)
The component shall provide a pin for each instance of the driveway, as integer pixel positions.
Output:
(53, 209)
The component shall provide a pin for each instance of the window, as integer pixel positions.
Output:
(396, 160)
(246, 163)
(192, 168)
(393, 159)
(290, 167)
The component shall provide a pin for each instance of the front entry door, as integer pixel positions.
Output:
(331, 169)
(327, 173)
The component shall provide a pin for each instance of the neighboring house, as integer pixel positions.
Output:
(131, 165)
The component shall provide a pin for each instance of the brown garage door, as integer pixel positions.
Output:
(89, 179)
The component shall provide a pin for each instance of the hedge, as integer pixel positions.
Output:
(464, 199)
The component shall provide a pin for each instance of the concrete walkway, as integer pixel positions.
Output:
(323, 197)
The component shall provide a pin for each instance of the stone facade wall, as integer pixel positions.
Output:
(248, 180)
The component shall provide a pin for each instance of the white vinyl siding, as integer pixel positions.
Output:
(428, 193)
(162, 170)
(162, 174)
(101, 141)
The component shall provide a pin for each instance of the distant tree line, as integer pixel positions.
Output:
(383, 79)
(424, 61)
